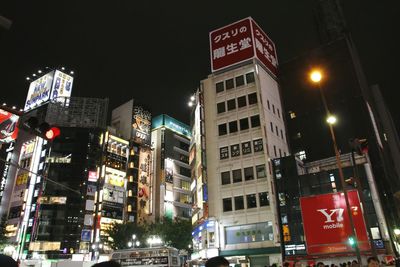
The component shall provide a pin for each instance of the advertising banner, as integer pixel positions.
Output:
(113, 194)
(8, 126)
(231, 44)
(144, 182)
(141, 125)
(85, 235)
(327, 225)
(88, 220)
(62, 86)
(91, 190)
(241, 41)
(265, 48)
(39, 91)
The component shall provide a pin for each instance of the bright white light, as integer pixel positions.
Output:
(4, 104)
(190, 104)
(331, 119)
(133, 236)
(316, 76)
(137, 243)
(39, 71)
(14, 107)
(154, 240)
(62, 68)
(93, 246)
(71, 72)
(27, 78)
(396, 231)
(129, 244)
(34, 75)
(192, 98)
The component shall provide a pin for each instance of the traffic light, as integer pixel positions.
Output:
(360, 146)
(352, 241)
(41, 129)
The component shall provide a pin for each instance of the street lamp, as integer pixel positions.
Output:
(316, 77)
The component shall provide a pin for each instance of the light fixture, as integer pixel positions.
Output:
(190, 104)
(34, 75)
(331, 119)
(39, 71)
(396, 231)
(192, 98)
(27, 78)
(71, 72)
(316, 76)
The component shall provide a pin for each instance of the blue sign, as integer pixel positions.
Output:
(85, 235)
(172, 124)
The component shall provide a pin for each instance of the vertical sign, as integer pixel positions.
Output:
(327, 224)
(8, 126)
(141, 126)
(265, 48)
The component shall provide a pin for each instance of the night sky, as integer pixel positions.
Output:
(158, 51)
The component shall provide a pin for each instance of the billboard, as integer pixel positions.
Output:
(48, 87)
(8, 126)
(239, 42)
(144, 196)
(141, 125)
(62, 85)
(327, 224)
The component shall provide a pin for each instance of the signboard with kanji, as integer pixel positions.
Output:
(239, 42)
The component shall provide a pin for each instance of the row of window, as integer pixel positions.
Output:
(273, 109)
(243, 124)
(236, 176)
(245, 149)
(276, 130)
(251, 202)
(234, 82)
(240, 102)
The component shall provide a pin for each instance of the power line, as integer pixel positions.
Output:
(41, 175)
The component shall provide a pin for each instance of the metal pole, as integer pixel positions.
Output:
(339, 165)
(361, 196)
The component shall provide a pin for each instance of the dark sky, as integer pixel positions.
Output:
(158, 51)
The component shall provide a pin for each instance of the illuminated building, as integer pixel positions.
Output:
(237, 127)
(133, 123)
(172, 177)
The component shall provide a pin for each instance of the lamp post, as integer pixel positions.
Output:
(316, 77)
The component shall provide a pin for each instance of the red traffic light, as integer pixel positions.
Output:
(52, 133)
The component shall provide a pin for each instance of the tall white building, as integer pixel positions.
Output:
(238, 126)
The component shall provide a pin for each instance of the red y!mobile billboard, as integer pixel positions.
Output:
(327, 223)
(241, 41)
(8, 126)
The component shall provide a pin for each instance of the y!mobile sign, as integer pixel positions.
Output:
(241, 41)
(327, 223)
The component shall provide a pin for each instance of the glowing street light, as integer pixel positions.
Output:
(331, 120)
(396, 231)
(316, 76)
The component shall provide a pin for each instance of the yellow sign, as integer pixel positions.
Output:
(22, 178)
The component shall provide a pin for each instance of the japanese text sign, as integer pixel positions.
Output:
(327, 224)
(241, 41)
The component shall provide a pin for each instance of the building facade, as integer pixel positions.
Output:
(172, 177)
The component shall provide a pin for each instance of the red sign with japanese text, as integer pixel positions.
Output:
(327, 225)
(231, 44)
(241, 41)
(265, 48)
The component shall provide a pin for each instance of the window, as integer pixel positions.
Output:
(225, 177)
(279, 114)
(268, 104)
(239, 203)
(258, 145)
(222, 130)
(275, 151)
(282, 134)
(252, 98)
(273, 108)
(264, 199)
(277, 132)
(272, 126)
(235, 150)
(244, 124)
(239, 80)
(237, 176)
(223, 152)
(185, 172)
(233, 126)
(227, 204)
(260, 170)
(221, 107)
(249, 173)
(229, 84)
(231, 104)
(250, 77)
(246, 148)
(255, 121)
(249, 233)
(280, 153)
(251, 201)
(219, 87)
(241, 101)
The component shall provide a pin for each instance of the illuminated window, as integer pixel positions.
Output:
(129, 208)
(301, 155)
(131, 165)
(129, 193)
(292, 114)
(131, 178)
